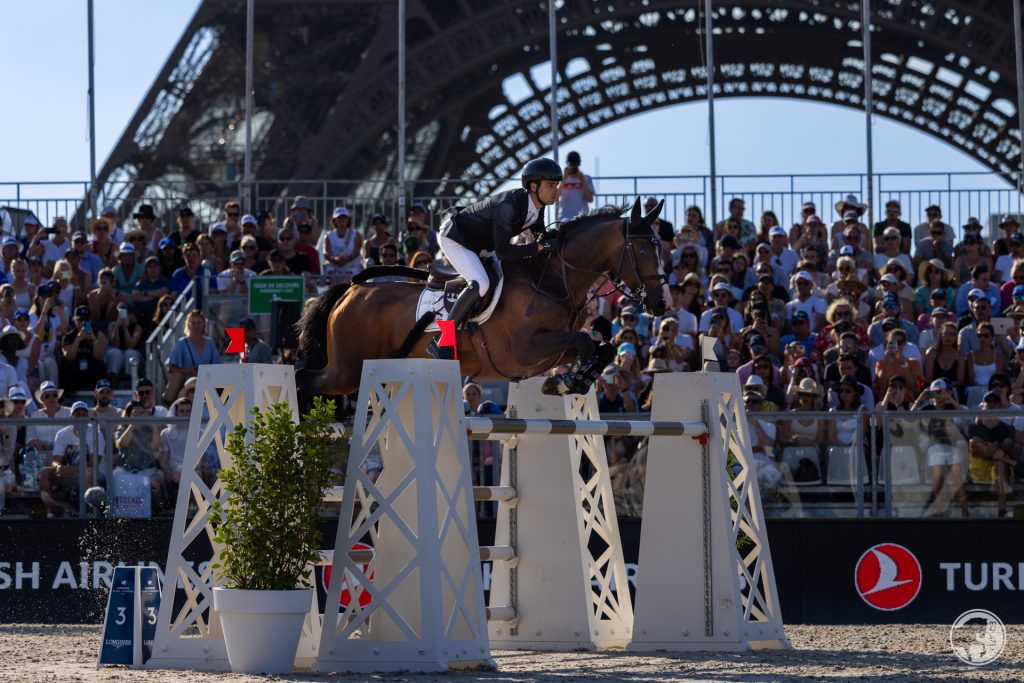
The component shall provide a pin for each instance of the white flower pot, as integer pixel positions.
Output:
(262, 628)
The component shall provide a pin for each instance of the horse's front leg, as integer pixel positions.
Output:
(590, 360)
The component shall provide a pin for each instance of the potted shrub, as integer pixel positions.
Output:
(268, 529)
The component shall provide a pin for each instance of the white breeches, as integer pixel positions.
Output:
(466, 262)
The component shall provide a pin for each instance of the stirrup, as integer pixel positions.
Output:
(440, 352)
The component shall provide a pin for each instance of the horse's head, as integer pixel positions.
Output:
(640, 259)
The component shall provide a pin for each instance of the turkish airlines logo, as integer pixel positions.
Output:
(888, 577)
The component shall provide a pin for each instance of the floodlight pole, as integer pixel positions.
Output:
(401, 109)
(1018, 49)
(553, 46)
(250, 21)
(865, 21)
(709, 48)
(92, 116)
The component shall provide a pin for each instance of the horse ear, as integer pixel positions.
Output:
(655, 212)
(634, 216)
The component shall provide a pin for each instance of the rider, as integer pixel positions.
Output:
(490, 225)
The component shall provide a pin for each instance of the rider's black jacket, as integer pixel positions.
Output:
(491, 224)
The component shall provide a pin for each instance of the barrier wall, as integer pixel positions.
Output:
(964, 564)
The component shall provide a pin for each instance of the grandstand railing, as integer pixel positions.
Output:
(161, 340)
(983, 195)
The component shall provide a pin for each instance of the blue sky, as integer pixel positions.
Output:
(44, 131)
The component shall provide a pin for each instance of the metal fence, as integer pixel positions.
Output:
(961, 196)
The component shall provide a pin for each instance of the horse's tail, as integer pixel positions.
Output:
(414, 334)
(312, 327)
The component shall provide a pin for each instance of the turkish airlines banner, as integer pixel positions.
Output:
(827, 571)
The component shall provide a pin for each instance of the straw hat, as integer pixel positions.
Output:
(808, 386)
(922, 270)
(850, 203)
(656, 365)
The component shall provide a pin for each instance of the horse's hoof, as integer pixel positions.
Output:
(554, 386)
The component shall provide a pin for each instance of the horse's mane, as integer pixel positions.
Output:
(585, 219)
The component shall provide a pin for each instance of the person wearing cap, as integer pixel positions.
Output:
(234, 280)
(630, 318)
(256, 350)
(9, 249)
(892, 222)
(74, 446)
(251, 229)
(29, 242)
(933, 216)
(970, 255)
(170, 258)
(187, 232)
(145, 394)
(802, 331)
(342, 248)
(852, 246)
(1014, 308)
(757, 348)
(129, 270)
(301, 211)
(991, 443)
(614, 394)
(16, 400)
(577, 190)
(1009, 225)
(82, 352)
(783, 259)
(932, 323)
(806, 301)
(980, 282)
(890, 309)
(304, 245)
(980, 311)
(151, 286)
(722, 298)
(747, 230)
(110, 214)
(932, 277)
(90, 262)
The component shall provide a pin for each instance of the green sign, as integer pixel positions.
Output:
(263, 290)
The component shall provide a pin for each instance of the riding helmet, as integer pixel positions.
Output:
(537, 170)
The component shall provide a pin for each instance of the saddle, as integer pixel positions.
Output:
(448, 280)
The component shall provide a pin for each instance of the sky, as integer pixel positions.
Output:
(44, 135)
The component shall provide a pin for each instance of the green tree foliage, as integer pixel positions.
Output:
(276, 486)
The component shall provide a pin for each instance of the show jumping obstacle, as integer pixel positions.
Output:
(558, 579)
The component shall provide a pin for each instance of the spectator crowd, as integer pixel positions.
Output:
(821, 316)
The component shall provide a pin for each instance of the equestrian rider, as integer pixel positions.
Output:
(490, 225)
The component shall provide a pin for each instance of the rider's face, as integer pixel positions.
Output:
(547, 192)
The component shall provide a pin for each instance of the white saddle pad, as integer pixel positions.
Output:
(433, 301)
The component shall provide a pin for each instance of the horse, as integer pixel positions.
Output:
(534, 326)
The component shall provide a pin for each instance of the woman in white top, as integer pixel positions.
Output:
(987, 360)
(342, 248)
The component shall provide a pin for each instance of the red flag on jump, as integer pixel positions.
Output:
(237, 341)
(448, 336)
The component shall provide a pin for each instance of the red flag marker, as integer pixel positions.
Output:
(236, 335)
(448, 336)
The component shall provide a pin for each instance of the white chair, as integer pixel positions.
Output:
(842, 467)
(791, 458)
(905, 468)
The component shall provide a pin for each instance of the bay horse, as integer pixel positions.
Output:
(534, 326)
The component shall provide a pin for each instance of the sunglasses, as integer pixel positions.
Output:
(753, 401)
(48, 396)
(249, 246)
(234, 214)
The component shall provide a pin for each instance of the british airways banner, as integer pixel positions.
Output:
(827, 571)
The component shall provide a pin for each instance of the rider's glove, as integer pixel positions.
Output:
(549, 245)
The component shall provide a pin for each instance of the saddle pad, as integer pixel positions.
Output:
(433, 301)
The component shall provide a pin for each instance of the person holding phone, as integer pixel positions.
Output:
(81, 356)
(577, 189)
(895, 363)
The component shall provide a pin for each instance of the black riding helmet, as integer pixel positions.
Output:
(537, 170)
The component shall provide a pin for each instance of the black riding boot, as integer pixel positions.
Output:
(461, 310)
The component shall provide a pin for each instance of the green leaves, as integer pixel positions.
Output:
(279, 473)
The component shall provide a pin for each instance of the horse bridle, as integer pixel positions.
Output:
(640, 294)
